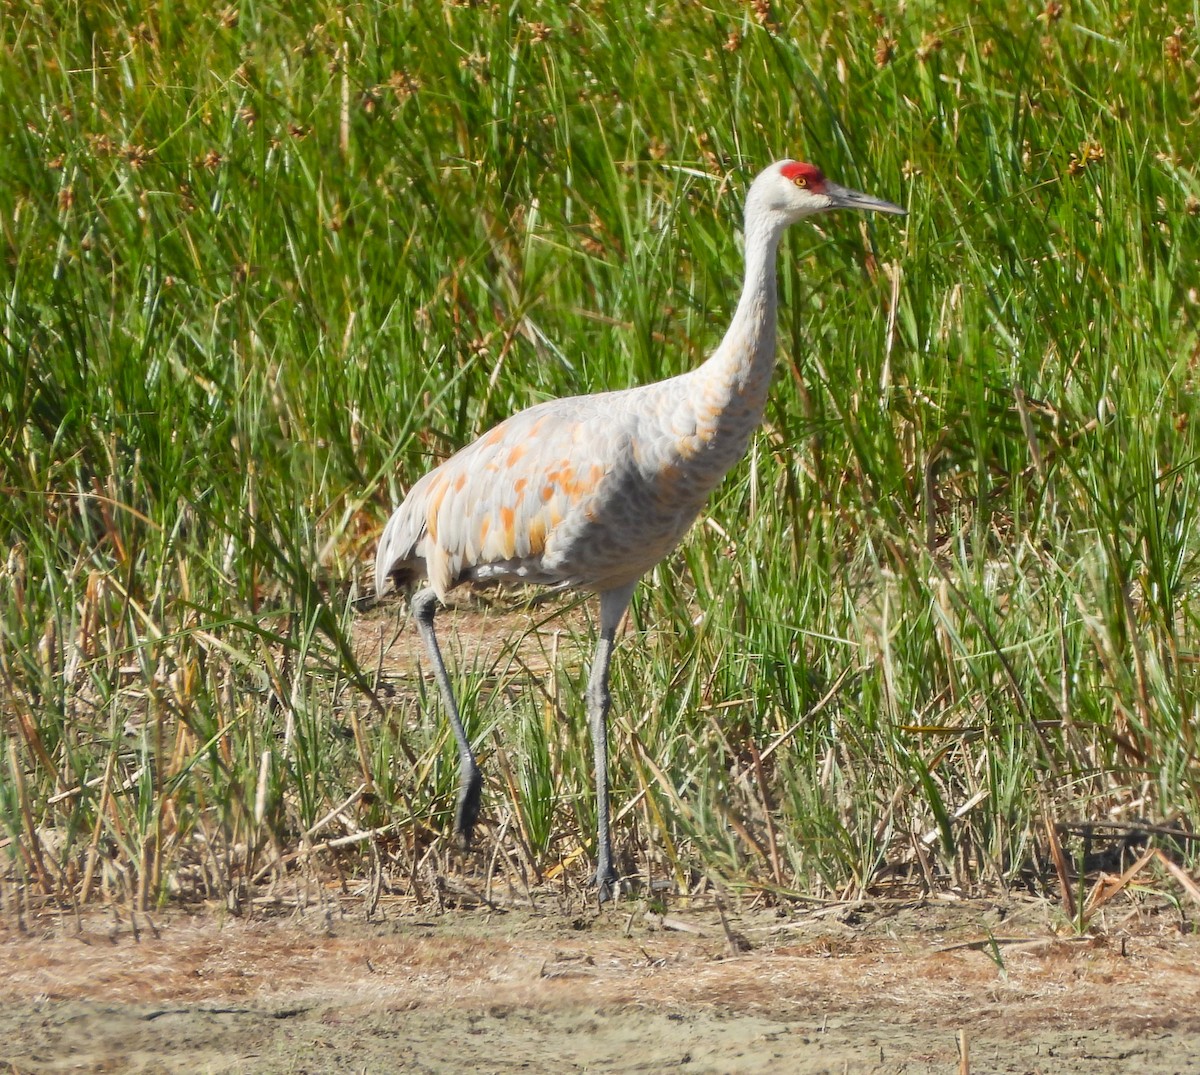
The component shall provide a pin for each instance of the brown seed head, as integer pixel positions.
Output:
(403, 85)
(136, 155)
(930, 44)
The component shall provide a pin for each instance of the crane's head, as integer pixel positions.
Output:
(792, 190)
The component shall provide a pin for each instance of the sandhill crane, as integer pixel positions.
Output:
(589, 493)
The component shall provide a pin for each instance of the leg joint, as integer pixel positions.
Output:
(423, 605)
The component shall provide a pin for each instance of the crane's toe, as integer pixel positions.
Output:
(606, 884)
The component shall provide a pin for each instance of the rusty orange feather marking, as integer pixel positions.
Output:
(537, 535)
(436, 495)
(509, 545)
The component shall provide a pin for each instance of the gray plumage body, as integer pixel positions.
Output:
(601, 488)
(590, 492)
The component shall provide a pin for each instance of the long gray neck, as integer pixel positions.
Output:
(737, 375)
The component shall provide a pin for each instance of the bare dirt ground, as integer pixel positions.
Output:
(881, 988)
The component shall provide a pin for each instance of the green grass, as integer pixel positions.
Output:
(264, 266)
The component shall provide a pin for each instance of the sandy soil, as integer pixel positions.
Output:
(881, 988)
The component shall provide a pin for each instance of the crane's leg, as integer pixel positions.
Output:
(470, 784)
(613, 604)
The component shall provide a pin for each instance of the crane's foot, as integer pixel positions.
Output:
(467, 813)
(606, 883)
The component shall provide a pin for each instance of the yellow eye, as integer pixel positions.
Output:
(801, 181)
